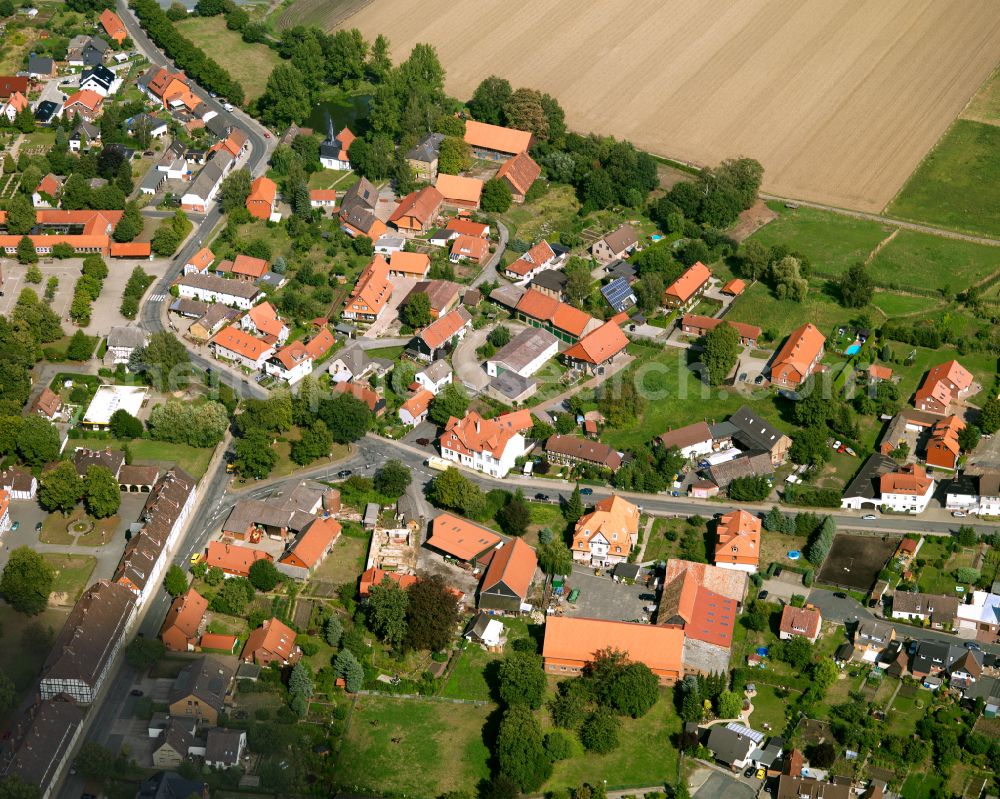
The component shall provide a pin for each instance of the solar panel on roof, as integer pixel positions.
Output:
(619, 294)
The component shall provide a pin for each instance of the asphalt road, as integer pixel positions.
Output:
(489, 273)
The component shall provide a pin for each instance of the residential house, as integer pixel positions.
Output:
(357, 211)
(597, 350)
(122, 341)
(486, 631)
(263, 320)
(199, 263)
(737, 537)
(692, 440)
(109, 459)
(14, 105)
(423, 157)
(486, 445)
(684, 291)
(414, 410)
(467, 227)
(981, 614)
(362, 393)
(182, 625)
(941, 611)
(83, 653)
(233, 559)
(864, 491)
(247, 269)
(989, 494)
(409, 264)
(291, 363)
(461, 539)
(173, 163)
(272, 642)
(212, 321)
(236, 345)
(734, 288)
(565, 322)
(174, 743)
(323, 198)
(966, 669)
(799, 357)
(224, 748)
(616, 245)
(987, 689)
(803, 622)
(619, 295)
(371, 292)
(200, 690)
(40, 66)
(388, 244)
(11, 85)
(442, 333)
(100, 80)
(86, 51)
(943, 449)
(906, 490)
(417, 211)
(702, 325)
(84, 135)
(46, 193)
(320, 344)
(508, 578)
(47, 405)
(945, 384)
(495, 143)
(962, 494)
(527, 352)
(113, 26)
(520, 174)
(435, 377)
(86, 105)
(204, 187)
(334, 150)
(310, 548)
(166, 88)
(871, 639)
(40, 744)
(261, 200)
(459, 192)
(541, 256)
(808, 788)
(732, 744)
(551, 283)
(932, 658)
(606, 536)
(18, 482)
(564, 449)
(353, 364)
(46, 111)
(571, 642)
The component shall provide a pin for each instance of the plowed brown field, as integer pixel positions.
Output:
(839, 99)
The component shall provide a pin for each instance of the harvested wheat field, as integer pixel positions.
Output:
(839, 99)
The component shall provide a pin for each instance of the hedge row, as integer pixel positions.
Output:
(137, 284)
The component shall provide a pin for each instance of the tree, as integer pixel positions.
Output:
(8, 694)
(797, 652)
(520, 749)
(332, 631)
(143, 653)
(515, 516)
(856, 286)
(299, 682)
(824, 674)
(233, 596)
(403, 374)
(489, 100)
(33, 274)
(729, 705)
(253, 455)
(196, 425)
(286, 97)
(314, 442)
(393, 478)
(599, 733)
(263, 575)
(569, 708)
(416, 311)
(95, 762)
(496, 197)
(348, 418)
(160, 360)
(452, 490)
(387, 611)
(968, 438)
(573, 509)
(20, 215)
(786, 276)
(821, 541)
(521, 680)
(967, 536)
(692, 707)
(346, 665)
(431, 614)
(722, 350)
(749, 489)
(235, 189)
(452, 401)
(989, 417)
(60, 488)
(555, 557)
(810, 448)
(27, 581)
(823, 755)
(578, 281)
(124, 425)
(26, 251)
(101, 495)
(523, 110)
(175, 581)
(81, 347)
(626, 687)
(454, 155)
(215, 576)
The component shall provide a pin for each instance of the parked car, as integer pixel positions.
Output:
(228, 106)
(761, 774)
(869, 516)
(777, 572)
(542, 497)
(762, 594)
(15, 525)
(135, 692)
(840, 595)
(38, 527)
(423, 442)
(758, 380)
(749, 772)
(958, 514)
(344, 473)
(586, 491)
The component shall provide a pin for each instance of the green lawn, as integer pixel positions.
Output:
(900, 304)
(249, 64)
(72, 574)
(758, 306)
(332, 179)
(926, 261)
(413, 747)
(389, 353)
(922, 786)
(958, 184)
(831, 241)
(986, 103)
(645, 757)
(906, 711)
(555, 210)
(193, 460)
(467, 679)
(769, 708)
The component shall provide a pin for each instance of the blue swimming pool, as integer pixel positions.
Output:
(853, 349)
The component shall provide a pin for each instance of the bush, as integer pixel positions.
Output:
(599, 732)
(557, 746)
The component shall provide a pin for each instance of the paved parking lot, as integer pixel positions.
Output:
(784, 587)
(711, 784)
(13, 282)
(603, 598)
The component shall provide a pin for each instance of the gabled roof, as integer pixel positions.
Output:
(599, 345)
(754, 431)
(738, 538)
(614, 519)
(185, 614)
(50, 185)
(373, 288)
(521, 172)
(467, 227)
(113, 24)
(422, 205)
(264, 190)
(315, 540)
(441, 330)
(320, 344)
(686, 436)
(708, 323)
(943, 382)
(291, 355)
(911, 480)
(456, 188)
(360, 392)
(87, 98)
(621, 239)
(514, 566)
(495, 137)
(234, 339)
(273, 636)
(800, 621)
(249, 266)
(572, 638)
(219, 285)
(584, 449)
(470, 247)
(474, 434)
(411, 263)
(460, 538)
(232, 558)
(688, 284)
(539, 254)
(418, 403)
(207, 678)
(800, 351)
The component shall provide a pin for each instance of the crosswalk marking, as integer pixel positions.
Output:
(157, 297)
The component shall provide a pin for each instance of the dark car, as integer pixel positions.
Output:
(344, 473)
(38, 527)
(647, 597)
(758, 380)
(586, 491)
(135, 692)
(749, 772)
(762, 595)
(542, 497)
(840, 595)
(777, 572)
(423, 442)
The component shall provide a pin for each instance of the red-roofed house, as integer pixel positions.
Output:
(371, 292)
(449, 328)
(738, 542)
(469, 248)
(233, 559)
(374, 576)
(942, 447)
(417, 211)
(703, 325)
(272, 642)
(461, 539)
(310, 549)
(798, 358)
(199, 262)
(47, 405)
(597, 349)
(520, 173)
(508, 578)
(323, 198)
(179, 632)
(906, 490)
(46, 194)
(944, 384)
(131, 249)
(409, 264)
(362, 393)
(800, 623)
(482, 444)
(114, 26)
(233, 344)
(320, 344)
(606, 535)
(260, 201)
(458, 191)
(466, 227)
(86, 105)
(539, 257)
(414, 410)
(495, 143)
(734, 288)
(263, 320)
(688, 287)
(249, 269)
(15, 104)
(291, 363)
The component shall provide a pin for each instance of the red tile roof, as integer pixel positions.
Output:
(599, 345)
(471, 247)
(537, 305)
(233, 559)
(441, 330)
(911, 480)
(374, 576)
(944, 383)
(794, 361)
(242, 343)
(495, 137)
(260, 201)
(513, 565)
(468, 228)
(249, 266)
(707, 323)
(312, 545)
(88, 98)
(411, 263)
(738, 539)
(460, 538)
(359, 392)
(320, 344)
(575, 641)
(202, 259)
(539, 254)
(455, 188)
(689, 284)
(520, 172)
(373, 288)
(274, 638)
(422, 205)
(735, 287)
(113, 25)
(800, 621)
(131, 249)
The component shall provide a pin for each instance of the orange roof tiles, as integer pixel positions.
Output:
(460, 538)
(313, 544)
(131, 249)
(943, 384)
(726, 582)
(233, 559)
(251, 267)
(538, 255)
(575, 641)
(260, 201)
(18, 102)
(273, 637)
(420, 206)
(458, 189)
(518, 421)
(113, 25)
(572, 320)
(373, 288)
(88, 98)
(473, 434)
(599, 345)
(323, 195)
(57, 216)
(418, 403)
(346, 139)
(224, 643)
(468, 228)
(537, 305)
(374, 576)
(471, 247)
(202, 259)
(360, 392)
(911, 480)
(800, 621)
(707, 323)
(442, 329)
(49, 185)
(320, 344)
(795, 360)
(689, 284)
(738, 539)
(183, 619)
(520, 172)
(734, 287)
(292, 355)
(242, 343)
(411, 263)
(513, 565)
(497, 138)
(614, 519)
(265, 318)
(879, 372)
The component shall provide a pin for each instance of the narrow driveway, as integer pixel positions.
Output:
(466, 364)
(489, 273)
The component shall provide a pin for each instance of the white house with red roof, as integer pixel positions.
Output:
(291, 363)
(486, 445)
(535, 260)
